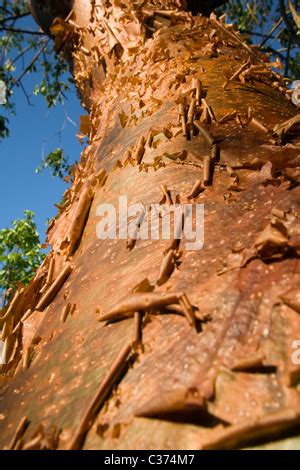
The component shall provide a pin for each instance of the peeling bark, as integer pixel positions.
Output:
(231, 379)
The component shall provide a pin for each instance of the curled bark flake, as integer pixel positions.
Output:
(197, 86)
(19, 433)
(281, 130)
(251, 362)
(255, 124)
(240, 434)
(292, 298)
(167, 198)
(140, 302)
(187, 309)
(49, 278)
(140, 150)
(272, 242)
(130, 243)
(79, 220)
(27, 356)
(111, 378)
(236, 73)
(207, 170)
(209, 110)
(182, 115)
(67, 310)
(204, 132)
(196, 190)
(167, 267)
(137, 329)
(227, 117)
(9, 348)
(17, 299)
(55, 288)
(34, 444)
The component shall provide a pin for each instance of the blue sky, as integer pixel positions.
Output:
(32, 129)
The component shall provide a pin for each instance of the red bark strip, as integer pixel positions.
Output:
(106, 386)
(20, 431)
(55, 288)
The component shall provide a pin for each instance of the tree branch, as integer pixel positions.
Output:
(23, 31)
(6, 10)
(35, 58)
(272, 30)
(255, 33)
(14, 17)
(287, 60)
(289, 24)
(270, 50)
(22, 53)
(25, 93)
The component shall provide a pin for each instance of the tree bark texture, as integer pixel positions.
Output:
(140, 68)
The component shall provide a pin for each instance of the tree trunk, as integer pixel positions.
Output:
(228, 378)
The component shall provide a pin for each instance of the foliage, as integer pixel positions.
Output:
(57, 162)
(25, 50)
(4, 131)
(20, 253)
(270, 25)
(250, 14)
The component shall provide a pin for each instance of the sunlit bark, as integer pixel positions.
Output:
(149, 73)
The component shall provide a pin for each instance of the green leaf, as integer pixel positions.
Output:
(57, 162)
(4, 131)
(20, 253)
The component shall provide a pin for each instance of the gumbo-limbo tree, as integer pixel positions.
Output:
(142, 343)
